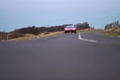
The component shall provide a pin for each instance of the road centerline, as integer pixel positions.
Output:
(83, 39)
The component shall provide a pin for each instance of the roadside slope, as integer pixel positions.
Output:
(111, 32)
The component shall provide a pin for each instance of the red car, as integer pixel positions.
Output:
(68, 29)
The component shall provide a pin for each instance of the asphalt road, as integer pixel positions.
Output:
(85, 56)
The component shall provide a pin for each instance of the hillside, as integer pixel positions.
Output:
(112, 29)
(111, 32)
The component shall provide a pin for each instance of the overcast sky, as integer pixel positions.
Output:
(15, 14)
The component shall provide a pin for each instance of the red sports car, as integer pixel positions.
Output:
(68, 29)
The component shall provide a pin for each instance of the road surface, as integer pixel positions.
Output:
(84, 56)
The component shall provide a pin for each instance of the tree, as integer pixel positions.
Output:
(85, 25)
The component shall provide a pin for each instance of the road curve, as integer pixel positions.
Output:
(64, 57)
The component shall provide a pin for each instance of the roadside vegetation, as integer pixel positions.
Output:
(31, 36)
(38, 32)
(111, 32)
(86, 30)
(112, 29)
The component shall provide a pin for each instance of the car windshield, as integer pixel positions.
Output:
(69, 26)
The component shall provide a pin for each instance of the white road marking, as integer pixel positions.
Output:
(89, 40)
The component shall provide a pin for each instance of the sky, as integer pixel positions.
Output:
(16, 14)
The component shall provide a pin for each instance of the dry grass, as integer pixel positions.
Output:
(86, 30)
(108, 30)
(117, 30)
(31, 36)
(111, 32)
(52, 34)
